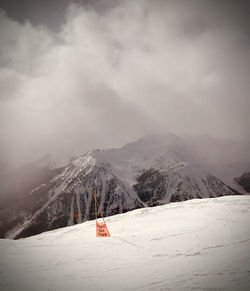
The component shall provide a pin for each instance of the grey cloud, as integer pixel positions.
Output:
(117, 70)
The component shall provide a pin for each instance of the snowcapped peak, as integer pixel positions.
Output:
(154, 170)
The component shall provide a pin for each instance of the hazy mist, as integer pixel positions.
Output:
(113, 71)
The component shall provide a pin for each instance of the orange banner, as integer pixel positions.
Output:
(101, 229)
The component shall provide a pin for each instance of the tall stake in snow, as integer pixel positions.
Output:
(101, 228)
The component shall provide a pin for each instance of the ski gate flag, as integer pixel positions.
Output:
(101, 229)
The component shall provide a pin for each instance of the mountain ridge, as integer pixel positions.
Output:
(154, 170)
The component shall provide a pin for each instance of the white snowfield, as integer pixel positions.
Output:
(194, 245)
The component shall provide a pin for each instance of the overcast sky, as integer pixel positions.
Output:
(96, 74)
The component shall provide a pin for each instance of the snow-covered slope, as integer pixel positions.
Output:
(193, 245)
(155, 170)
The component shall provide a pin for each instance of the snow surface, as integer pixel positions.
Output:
(201, 244)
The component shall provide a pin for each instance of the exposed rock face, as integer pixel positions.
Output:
(244, 181)
(178, 183)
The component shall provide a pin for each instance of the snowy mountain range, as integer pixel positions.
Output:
(152, 171)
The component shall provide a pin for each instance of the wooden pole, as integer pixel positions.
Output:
(94, 193)
(97, 206)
